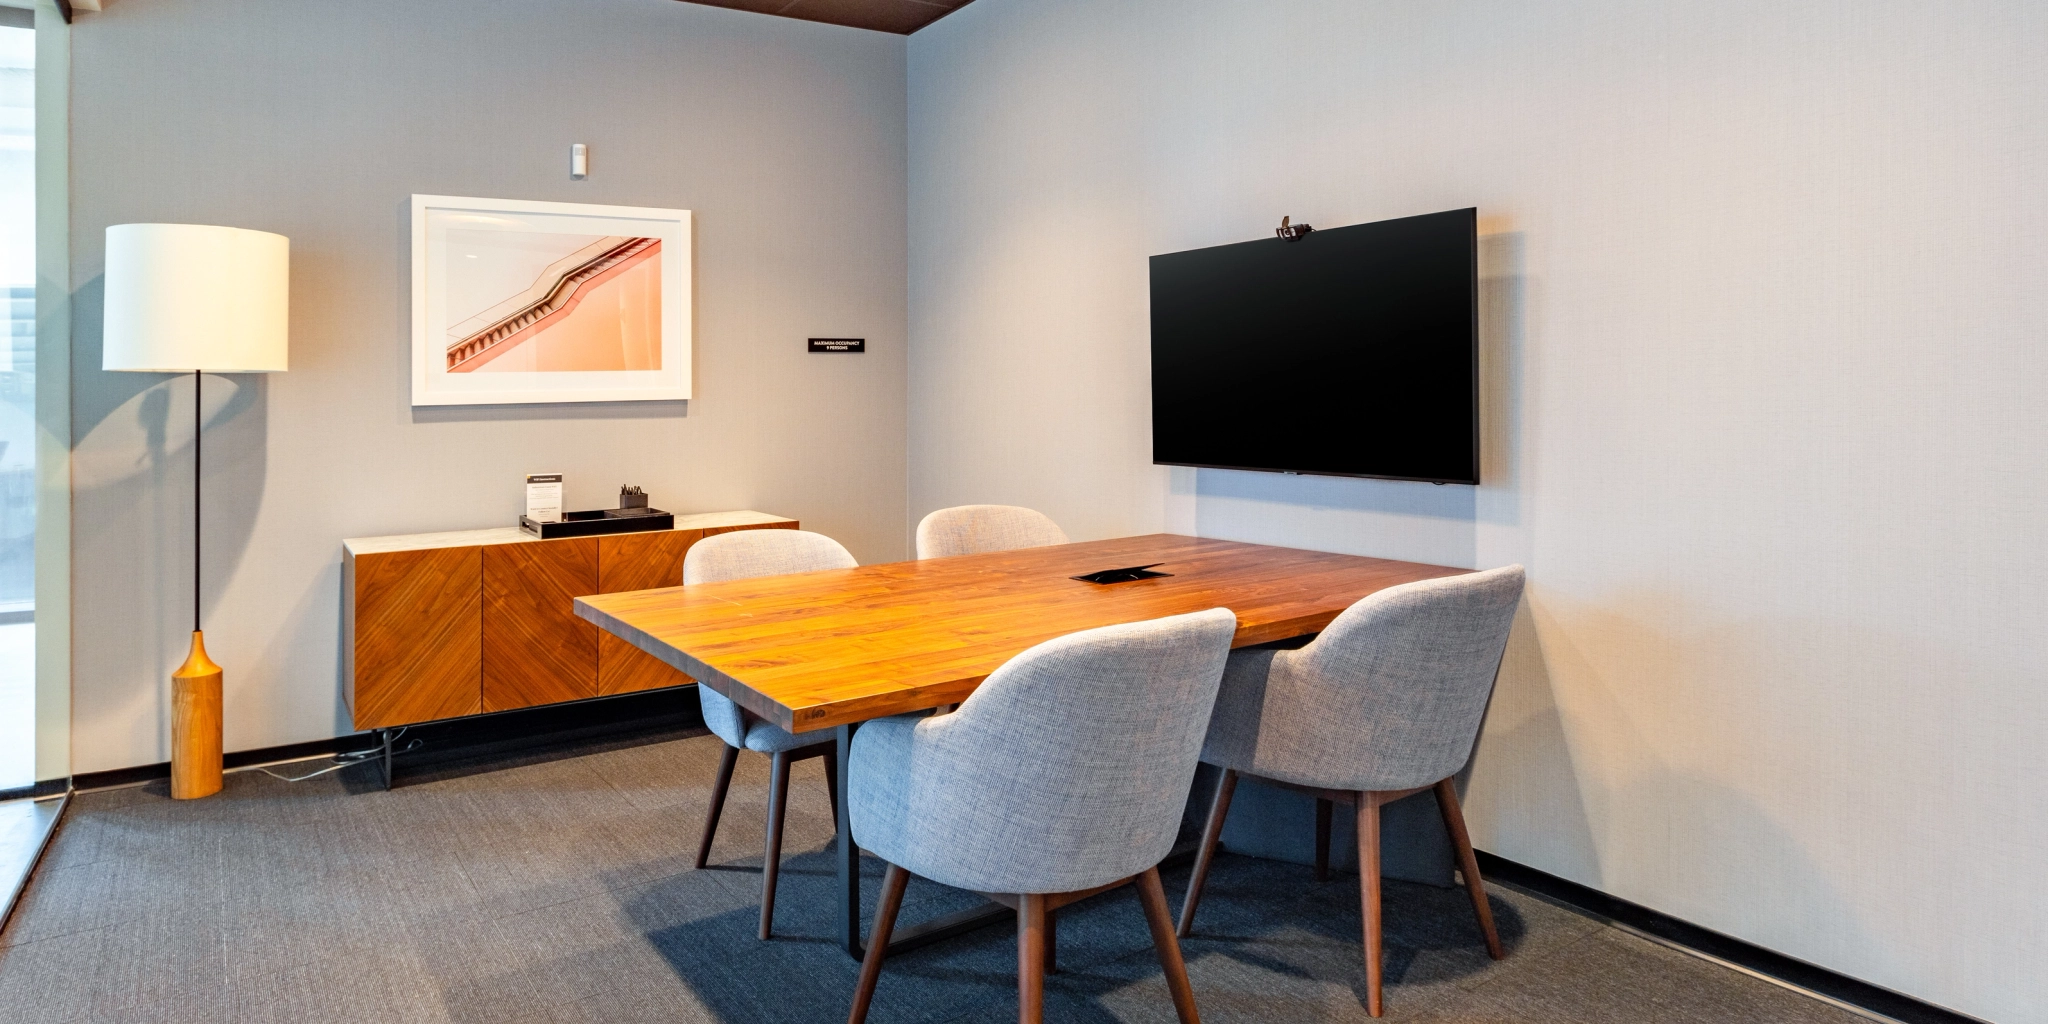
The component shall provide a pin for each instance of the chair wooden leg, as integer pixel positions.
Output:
(726, 761)
(1052, 941)
(1153, 896)
(771, 861)
(1218, 809)
(832, 786)
(1369, 894)
(893, 882)
(1468, 863)
(1030, 959)
(1324, 810)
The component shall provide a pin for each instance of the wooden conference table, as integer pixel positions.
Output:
(832, 649)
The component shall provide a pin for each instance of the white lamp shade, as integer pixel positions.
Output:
(184, 297)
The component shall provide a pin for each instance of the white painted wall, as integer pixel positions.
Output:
(318, 121)
(1765, 310)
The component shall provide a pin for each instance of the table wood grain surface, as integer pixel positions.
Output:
(821, 649)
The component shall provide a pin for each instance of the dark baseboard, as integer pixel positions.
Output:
(508, 739)
(114, 777)
(47, 787)
(462, 746)
(1661, 926)
(142, 773)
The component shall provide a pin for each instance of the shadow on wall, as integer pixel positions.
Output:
(1439, 524)
(1563, 778)
(549, 411)
(1391, 518)
(1690, 840)
(132, 522)
(1503, 376)
(1340, 494)
(1526, 799)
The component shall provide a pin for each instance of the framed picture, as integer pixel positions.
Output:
(519, 302)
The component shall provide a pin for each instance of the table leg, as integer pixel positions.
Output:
(848, 854)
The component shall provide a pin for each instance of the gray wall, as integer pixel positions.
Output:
(317, 121)
(1763, 314)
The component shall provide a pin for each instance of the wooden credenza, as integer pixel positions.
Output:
(443, 625)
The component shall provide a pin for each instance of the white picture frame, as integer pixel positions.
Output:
(481, 337)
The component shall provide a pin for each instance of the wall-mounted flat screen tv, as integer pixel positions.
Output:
(1348, 351)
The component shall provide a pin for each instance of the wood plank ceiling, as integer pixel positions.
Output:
(900, 16)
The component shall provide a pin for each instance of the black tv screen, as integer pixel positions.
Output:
(1349, 352)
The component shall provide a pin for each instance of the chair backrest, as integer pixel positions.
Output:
(743, 554)
(1069, 766)
(1391, 694)
(973, 529)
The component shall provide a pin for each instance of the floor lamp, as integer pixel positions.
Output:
(192, 298)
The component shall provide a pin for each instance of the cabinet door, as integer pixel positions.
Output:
(638, 561)
(536, 651)
(417, 636)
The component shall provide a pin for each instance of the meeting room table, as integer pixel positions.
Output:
(829, 650)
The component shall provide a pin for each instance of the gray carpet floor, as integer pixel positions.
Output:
(562, 891)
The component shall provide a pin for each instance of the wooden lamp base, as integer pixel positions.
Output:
(195, 724)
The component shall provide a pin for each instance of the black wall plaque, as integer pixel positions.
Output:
(839, 344)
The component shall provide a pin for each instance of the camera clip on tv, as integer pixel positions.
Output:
(1291, 232)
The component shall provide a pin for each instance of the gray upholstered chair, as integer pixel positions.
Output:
(740, 555)
(973, 529)
(1385, 703)
(1062, 775)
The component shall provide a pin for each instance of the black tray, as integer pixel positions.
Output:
(598, 522)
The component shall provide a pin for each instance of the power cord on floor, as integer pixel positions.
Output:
(348, 758)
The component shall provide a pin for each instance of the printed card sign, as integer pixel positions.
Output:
(544, 497)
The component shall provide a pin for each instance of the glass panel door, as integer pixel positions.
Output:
(17, 402)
